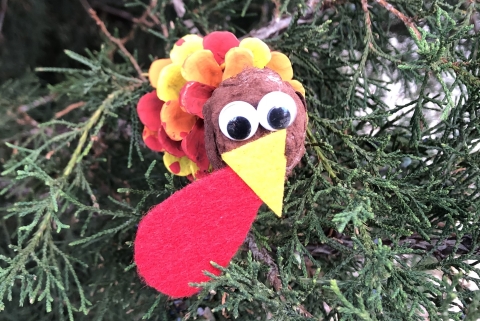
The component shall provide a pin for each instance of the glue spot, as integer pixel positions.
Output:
(175, 167)
(180, 42)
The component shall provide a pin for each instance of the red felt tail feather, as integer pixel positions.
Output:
(206, 221)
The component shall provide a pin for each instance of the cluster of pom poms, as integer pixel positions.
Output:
(172, 114)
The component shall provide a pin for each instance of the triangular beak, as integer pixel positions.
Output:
(262, 164)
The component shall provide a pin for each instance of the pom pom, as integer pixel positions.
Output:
(297, 86)
(193, 96)
(194, 146)
(261, 52)
(150, 139)
(219, 43)
(281, 64)
(181, 166)
(170, 82)
(236, 60)
(169, 145)
(175, 121)
(202, 67)
(185, 47)
(148, 109)
(155, 69)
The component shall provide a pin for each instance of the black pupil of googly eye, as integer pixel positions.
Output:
(239, 127)
(279, 117)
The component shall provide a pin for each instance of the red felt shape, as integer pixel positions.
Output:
(194, 146)
(206, 221)
(148, 109)
(150, 138)
(219, 42)
(169, 145)
(194, 95)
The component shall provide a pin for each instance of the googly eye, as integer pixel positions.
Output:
(276, 110)
(238, 120)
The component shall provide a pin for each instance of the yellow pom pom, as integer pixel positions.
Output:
(170, 82)
(155, 69)
(261, 52)
(185, 47)
(181, 166)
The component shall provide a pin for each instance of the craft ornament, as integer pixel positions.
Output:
(226, 114)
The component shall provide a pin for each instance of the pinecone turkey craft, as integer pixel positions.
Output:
(227, 114)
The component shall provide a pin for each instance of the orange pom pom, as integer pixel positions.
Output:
(236, 60)
(175, 121)
(203, 68)
(281, 65)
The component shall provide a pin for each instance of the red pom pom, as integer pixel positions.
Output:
(148, 109)
(170, 146)
(206, 221)
(194, 146)
(150, 138)
(194, 95)
(219, 42)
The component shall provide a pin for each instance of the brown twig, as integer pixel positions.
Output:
(301, 309)
(68, 109)
(143, 19)
(368, 21)
(273, 275)
(156, 22)
(224, 299)
(113, 11)
(114, 40)
(278, 24)
(462, 246)
(406, 20)
(276, 11)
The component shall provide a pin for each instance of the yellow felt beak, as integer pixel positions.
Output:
(262, 165)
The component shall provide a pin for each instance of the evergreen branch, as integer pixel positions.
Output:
(321, 157)
(262, 255)
(97, 236)
(113, 39)
(76, 156)
(406, 20)
(7, 276)
(349, 308)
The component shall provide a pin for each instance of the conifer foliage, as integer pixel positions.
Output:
(380, 220)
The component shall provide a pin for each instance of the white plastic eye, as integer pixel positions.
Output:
(276, 110)
(238, 120)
